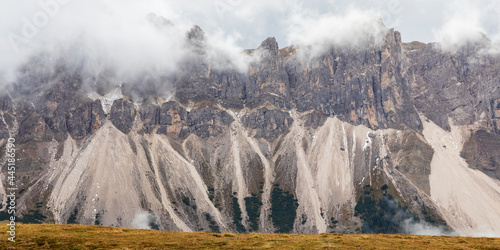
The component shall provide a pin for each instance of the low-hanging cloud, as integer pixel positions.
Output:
(470, 22)
(354, 28)
(411, 226)
(144, 220)
(125, 39)
(462, 26)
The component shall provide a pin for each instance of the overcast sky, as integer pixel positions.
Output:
(255, 20)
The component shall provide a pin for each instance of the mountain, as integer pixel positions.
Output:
(390, 137)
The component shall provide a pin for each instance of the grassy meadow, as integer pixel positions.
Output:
(48, 236)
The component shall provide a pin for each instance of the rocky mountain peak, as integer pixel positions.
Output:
(269, 49)
(196, 39)
(393, 37)
(269, 44)
(196, 34)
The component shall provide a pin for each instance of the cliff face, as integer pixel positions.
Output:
(298, 142)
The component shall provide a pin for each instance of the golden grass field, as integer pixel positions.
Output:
(45, 236)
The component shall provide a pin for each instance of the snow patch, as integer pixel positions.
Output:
(108, 99)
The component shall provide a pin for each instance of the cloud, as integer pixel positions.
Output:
(470, 22)
(224, 53)
(118, 37)
(410, 226)
(144, 220)
(354, 28)
(462, 25)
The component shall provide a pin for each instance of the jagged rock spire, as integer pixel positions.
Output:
(269, 44)
(196, 38)
(196, 34)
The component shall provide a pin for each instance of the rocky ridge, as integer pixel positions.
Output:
(298, 143)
